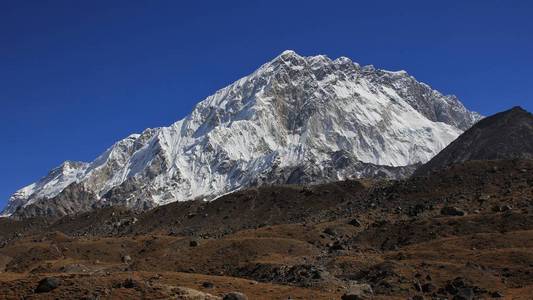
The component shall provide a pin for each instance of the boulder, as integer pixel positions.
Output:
(496, 295)
(126, 259)
(358, 291)
(464, 294)
(428, 288)
(235, 296)
(451, 211)
(129, 284)
(355, 222)
(330, 231)
(192, 294)
(47, 284)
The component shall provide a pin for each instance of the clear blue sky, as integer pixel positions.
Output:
(76, 76)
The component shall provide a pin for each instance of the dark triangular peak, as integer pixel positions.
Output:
(505, 135)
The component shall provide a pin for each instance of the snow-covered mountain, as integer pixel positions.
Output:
(294, 120)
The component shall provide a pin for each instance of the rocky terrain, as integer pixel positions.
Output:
(463, 232)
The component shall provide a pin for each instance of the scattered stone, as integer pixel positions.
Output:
(502, 208)
(330, 231)
(126, 259)
(235, 296)
(300, 274)
(351, 297)
(484, 197)
(191, 294)
(194, 243)
(464, 294)
(355, 222)
(496, 208)
(458, 287)
(450, 289)
(459, 282)
(129, 283)
(74, 268)
(506, 208)
(307, 191)
(428, 288)
(358, 291)
(496, 295)
(208, 285)
(336, 246)
(451, 211)
(414, 211)
(47, 284)
(380, 223)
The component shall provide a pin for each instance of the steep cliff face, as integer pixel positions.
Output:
(294, 120)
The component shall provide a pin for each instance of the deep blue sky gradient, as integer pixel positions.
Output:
(76, 76)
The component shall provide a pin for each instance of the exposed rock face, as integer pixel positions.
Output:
(73, 199)
(294, 120)
(506, 135)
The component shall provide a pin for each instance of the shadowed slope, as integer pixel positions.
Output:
(506, 135)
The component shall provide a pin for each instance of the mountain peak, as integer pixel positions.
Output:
(516, 116)
(518, 109)
(288, 57)
(289, 53)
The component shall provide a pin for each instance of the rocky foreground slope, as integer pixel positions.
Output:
(464, 232)
(294, 120)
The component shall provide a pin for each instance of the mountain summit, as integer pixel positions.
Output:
(505, 135)
(294, 120)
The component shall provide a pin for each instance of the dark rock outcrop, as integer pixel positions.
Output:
(47, 284)
(506, 135)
